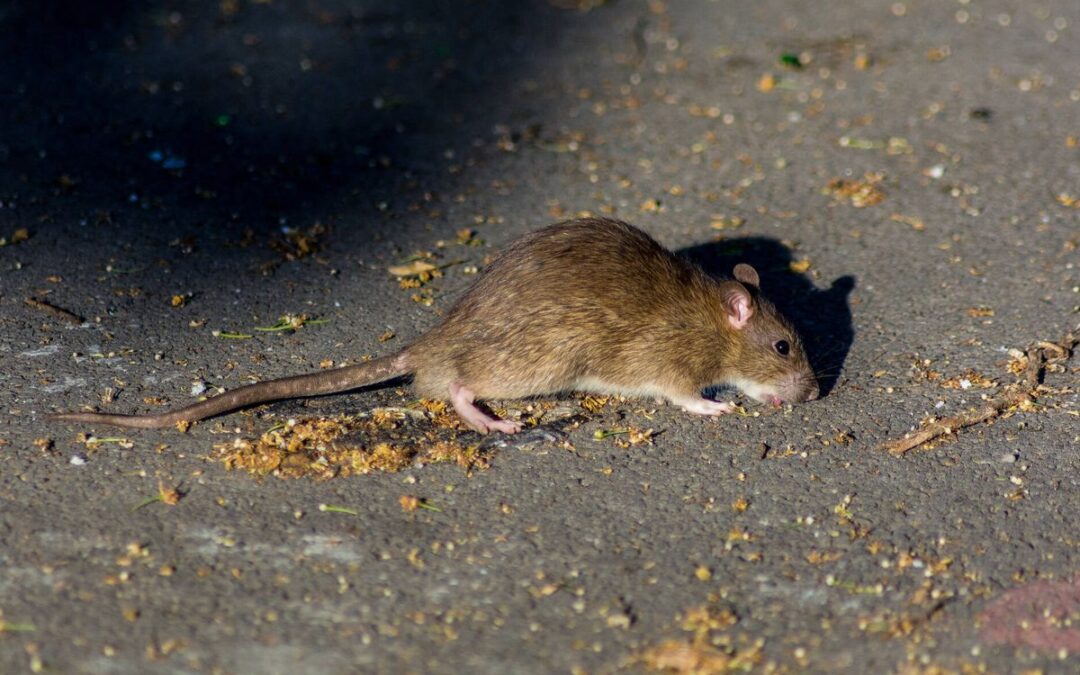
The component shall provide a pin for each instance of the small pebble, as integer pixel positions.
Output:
(78, 459)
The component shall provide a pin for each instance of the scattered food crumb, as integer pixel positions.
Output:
(860, 192)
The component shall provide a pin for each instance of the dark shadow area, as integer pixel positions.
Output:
(230, 116)
(823, 318)
(127, 125)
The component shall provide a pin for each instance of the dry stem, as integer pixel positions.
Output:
(1021, 392)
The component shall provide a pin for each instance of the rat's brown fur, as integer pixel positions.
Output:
(592, 304)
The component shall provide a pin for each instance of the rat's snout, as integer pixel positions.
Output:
(800, 389)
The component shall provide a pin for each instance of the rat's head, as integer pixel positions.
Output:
(771, 366)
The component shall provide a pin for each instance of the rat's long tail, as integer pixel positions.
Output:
(298, 386)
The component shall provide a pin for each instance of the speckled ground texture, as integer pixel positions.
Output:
(152, 150)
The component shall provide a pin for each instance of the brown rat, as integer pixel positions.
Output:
(587, 305)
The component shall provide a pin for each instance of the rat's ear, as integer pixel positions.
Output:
(748, 275)
(739, 305)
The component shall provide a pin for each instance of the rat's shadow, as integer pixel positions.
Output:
(823, 318)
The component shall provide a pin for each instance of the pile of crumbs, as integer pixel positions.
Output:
(709, 648)
(331, 447)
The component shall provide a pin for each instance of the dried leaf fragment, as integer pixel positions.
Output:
(916, 223)
(410, 269)
(726, 222)
(170, 496)
(299, 243)
(466, 236)
(937, 54)
(593, 403)
(650, 206)
(1067, 200)
(18, 236)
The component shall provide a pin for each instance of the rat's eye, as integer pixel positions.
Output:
(782, 347)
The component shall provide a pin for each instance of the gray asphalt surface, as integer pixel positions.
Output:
(154, 151)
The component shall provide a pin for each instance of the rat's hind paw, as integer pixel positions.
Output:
(505, 426)
(477, 419)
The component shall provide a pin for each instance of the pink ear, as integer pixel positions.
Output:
(739, 306)
(747, 274)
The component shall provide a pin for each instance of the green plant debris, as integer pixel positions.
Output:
(854, 588)
(330, 508)
(601, 434)
(93, 442)
(146, 502)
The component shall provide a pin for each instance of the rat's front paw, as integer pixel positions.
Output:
(704, 406)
